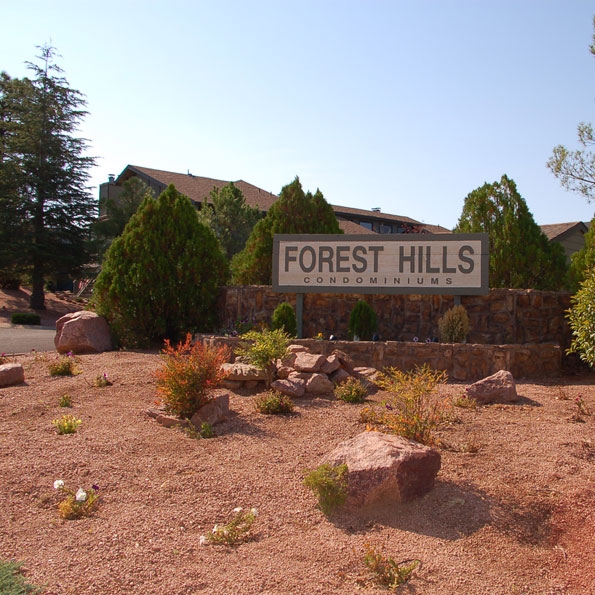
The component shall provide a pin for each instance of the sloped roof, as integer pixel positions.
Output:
(198, 188)
(557, 231)
(349, 227)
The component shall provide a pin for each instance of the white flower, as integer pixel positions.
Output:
(203, 540)
(58, 484)
(215, 529)
(237, 510)
(254, 512)
(81, 495)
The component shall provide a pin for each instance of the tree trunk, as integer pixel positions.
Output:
(37, 300)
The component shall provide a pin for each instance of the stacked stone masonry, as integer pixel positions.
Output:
(503, 316)
(462, 361)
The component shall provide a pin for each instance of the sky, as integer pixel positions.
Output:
(407, 106)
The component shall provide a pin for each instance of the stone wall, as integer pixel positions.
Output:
(462, 361)
(503, 316)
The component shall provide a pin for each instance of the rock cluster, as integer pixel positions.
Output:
(214, 412)
(299, 373)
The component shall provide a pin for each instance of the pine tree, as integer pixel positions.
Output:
(161, 277)
(295, 212)
(230, 218)
(46, 207)
(521, 256)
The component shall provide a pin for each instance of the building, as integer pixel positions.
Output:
(570, 235)
(198, 188)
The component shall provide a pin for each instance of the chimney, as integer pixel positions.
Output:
(111, 178)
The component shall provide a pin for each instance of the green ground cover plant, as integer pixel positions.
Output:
(351, 390)
(12, 582)
(273, 403)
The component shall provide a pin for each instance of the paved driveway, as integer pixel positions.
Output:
(22, 339)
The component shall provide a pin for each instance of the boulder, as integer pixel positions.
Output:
(384, 469)
(214, 412)
(290, 387)
(339, 376)
(319, 384)
(331, 364)
(497, 388)
(240, 372)
(345, 360)
(309, 362)
(11, 374)
(82, 332)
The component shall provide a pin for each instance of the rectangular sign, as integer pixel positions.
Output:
(401, 263)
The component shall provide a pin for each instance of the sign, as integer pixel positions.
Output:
(400, 263)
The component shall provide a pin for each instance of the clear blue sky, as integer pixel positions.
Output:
(403, 105)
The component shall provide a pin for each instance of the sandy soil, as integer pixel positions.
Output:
(516, 516)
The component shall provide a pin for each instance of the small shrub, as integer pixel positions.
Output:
(190, 372)
(329, 483)
(102, 381)
(263, 348)
(65, 401)
(273, 403)
(454, 325)
(65, 366)
(236, 531)
(25, 318)
(75, 505)
(67, 424)
(411, 410)
(386, 571)
(351, 390)
(12, 582)
(205, 431)
(284, 318)
(362, 321)
(464, 402)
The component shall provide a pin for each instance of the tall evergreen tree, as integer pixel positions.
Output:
(230, 218)
(521, 256)
(296, 212)
(46, 207)
(161, 277)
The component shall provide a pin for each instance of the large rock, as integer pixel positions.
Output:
(82, 332)
(497, 388)
(319, 384)
(241, 372)
(11, 374)
(384, 469)
(309, 362)
(290, 387)
(214, 412)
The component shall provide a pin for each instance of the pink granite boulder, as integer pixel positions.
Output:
(82, 332)
(497, 388)
(384, 469)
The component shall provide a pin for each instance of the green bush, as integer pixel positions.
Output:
(273, 403)
(12, 581)
(25, 318)
(454, 325)
(10, 280)
(160, 278)
(329, 483)
(351, 390)
(284, 319)
(581, 318)
(262, 349)
(362, 321)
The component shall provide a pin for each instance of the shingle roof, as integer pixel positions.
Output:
(555, 231)
(198, 188)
